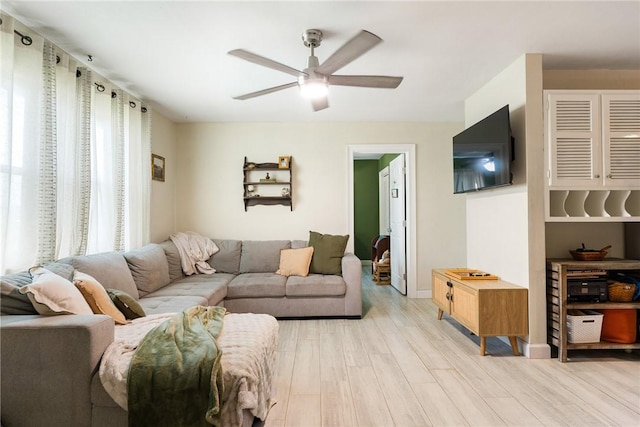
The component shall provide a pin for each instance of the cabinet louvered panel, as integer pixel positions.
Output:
(621, 138)
(624, 115)
(574, 128)
(624, 161)
(573, 115)
(573, 158)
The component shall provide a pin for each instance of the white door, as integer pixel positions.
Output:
(383, 185)
(397, 211)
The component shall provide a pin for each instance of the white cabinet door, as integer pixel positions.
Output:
(574, 140)
(621, 139)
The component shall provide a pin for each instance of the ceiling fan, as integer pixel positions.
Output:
(315, 79)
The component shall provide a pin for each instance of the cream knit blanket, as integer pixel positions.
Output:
(249, 344)
(194, 251)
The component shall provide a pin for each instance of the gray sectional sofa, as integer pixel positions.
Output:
(49, 363)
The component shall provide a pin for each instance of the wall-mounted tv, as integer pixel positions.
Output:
(482, 154)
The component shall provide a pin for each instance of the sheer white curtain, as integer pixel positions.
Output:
(73, 153)
(74, 157)
(121, 153)
(138, 180)
(102, 211)
(20, 113)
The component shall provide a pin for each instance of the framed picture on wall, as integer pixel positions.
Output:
(283, 162)
(157, 167)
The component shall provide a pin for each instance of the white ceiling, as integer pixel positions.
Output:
(172, 54)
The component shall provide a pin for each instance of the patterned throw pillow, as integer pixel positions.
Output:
(51, 294)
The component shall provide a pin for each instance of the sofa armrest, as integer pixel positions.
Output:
(352, 275)
(47, 363)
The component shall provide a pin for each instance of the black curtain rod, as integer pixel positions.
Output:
(26, 40)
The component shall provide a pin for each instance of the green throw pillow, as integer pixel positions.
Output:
(126, 304)
(328, 251)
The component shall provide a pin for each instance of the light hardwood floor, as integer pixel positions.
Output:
(400, 366)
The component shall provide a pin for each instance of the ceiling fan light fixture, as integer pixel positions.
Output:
(313, 88)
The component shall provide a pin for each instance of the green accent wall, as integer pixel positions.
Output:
(365, 209)
(384, 161)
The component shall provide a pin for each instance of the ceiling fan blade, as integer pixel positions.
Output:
(320, 103)
(265, 62)
(265, 91)
(385, 82)
(351, 50)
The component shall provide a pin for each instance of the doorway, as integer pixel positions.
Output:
(408, 150)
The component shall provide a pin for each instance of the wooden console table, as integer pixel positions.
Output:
(487, 308)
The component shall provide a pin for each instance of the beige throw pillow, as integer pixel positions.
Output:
(295, 262)
(51, 294)
(97, 297)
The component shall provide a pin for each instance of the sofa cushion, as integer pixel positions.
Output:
(256, 285)
(295, 262)
(149, 268)
(51, 294)
(127, 304)
(297, 244)
(173, 260)
(96, 296)
(108, 268)
(213, 287)
(328, 253)
(315, 285)
(262, 256)
(227, 259)
(12, 301)
(169, 304)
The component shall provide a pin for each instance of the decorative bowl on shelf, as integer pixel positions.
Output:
(588, 255)
(583, 254)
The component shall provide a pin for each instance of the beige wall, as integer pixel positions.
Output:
(209, 182)
(163, 202)
(505, 227)
(497, 219)
(592, 79)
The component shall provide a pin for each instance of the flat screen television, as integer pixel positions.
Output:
(482, 154)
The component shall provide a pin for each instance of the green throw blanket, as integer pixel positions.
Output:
(175, 377)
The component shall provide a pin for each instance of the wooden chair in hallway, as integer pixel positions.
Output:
(379, 244)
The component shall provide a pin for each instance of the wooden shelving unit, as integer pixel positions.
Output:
(557, 305)
(252, 173)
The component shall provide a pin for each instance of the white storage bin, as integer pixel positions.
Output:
(584, 326)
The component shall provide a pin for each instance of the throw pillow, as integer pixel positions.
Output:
(96, 296)
(295, 262)
(51, 294)
(126, 304)
(328, 251)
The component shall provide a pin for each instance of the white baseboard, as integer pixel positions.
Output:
(530, 351)
(422, 294)
(536, 351)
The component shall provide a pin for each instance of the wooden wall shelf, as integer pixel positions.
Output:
(264, 192)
